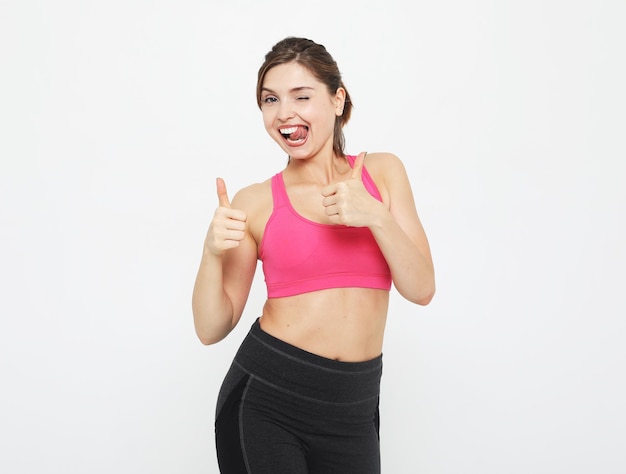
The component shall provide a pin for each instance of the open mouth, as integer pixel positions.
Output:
(295, 135)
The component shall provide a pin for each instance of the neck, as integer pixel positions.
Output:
(318, 169)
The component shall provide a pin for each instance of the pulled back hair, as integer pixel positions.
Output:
(320, 63)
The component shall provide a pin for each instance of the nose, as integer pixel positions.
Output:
(285, 111)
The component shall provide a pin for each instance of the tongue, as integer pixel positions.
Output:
(300, 133)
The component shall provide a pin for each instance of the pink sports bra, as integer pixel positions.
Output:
(300, 255)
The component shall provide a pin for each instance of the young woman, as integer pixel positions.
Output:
(333, 232)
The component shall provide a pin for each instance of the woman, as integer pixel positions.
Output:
(333, 231)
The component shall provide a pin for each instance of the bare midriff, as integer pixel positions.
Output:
(345, 324)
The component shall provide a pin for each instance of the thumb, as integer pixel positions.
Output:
(357, 169)
(222, 196)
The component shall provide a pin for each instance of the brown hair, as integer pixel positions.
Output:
(321, 64)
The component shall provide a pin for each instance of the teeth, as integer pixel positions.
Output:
(288, 131)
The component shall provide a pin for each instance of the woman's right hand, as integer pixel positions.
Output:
(228, 227)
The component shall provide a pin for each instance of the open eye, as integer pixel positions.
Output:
(270, 99)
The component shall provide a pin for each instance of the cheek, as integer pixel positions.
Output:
(268, 121)
(326, 114)
(326, 120)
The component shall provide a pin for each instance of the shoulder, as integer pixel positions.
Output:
(253, 195)
(256, 201)
(387, 171)
(383, 164)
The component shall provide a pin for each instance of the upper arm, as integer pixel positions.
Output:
(401, 201)
(239, 264)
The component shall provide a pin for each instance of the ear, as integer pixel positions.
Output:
(340, 101)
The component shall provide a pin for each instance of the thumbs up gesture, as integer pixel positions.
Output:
(228, 227)
(348, 202)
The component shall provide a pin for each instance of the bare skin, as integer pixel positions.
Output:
(345, 324)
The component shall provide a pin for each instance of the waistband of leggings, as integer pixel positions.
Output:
(292, 369)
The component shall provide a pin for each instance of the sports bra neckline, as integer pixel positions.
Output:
(368, 182)
(292, 209)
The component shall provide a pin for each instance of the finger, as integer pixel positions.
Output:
(226, 217)
(357, 169)
(329, 201)
(331, 210)
(222, 195)
(236, 223)
(234, 235)
(329, 190)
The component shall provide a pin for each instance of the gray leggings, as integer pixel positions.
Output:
(282, 410)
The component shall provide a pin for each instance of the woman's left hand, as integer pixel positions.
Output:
(348, 202)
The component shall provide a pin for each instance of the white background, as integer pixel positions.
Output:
(115, 119)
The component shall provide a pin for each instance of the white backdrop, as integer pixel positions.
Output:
(115, 119)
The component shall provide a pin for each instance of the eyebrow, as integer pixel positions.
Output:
(295, 89)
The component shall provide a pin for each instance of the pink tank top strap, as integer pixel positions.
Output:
(279, 193)
(368, 182)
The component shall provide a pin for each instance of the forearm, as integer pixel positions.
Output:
(211, 306)
(411, 267)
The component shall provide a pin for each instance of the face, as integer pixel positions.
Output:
(298, 111)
